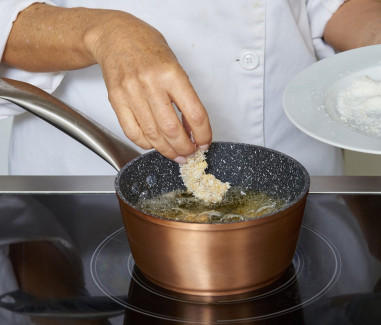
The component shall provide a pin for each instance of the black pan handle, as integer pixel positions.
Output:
(69, 120)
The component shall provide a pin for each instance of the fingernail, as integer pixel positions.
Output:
(204, 147)
(180, 160)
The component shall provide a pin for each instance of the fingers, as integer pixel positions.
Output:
(186, 126)
(195, 118)
(131, 127)
(169, 125)
(150, 121)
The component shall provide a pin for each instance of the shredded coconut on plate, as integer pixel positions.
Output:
(205, 187)
(359, 105)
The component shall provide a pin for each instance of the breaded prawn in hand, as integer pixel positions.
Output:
(205, 187)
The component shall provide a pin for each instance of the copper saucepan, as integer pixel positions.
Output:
(190, 258)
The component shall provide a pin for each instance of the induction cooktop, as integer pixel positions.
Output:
(66, 259)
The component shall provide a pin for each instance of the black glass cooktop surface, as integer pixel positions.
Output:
(65, 259)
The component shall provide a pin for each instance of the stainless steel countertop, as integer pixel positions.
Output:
(105, 184)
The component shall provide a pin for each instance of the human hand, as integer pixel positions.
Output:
(144, 80)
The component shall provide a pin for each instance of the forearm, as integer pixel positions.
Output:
(356, 23)
(48, 38)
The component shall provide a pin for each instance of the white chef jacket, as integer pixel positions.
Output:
(239, 55)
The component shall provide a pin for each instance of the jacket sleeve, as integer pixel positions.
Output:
(9, 10)
(319, 12)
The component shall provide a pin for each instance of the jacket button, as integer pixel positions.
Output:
(249, 61)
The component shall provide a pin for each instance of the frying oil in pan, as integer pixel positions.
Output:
(237, 205)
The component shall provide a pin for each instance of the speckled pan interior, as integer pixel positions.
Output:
(249, 166)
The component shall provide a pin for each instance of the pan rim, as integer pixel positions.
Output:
(220, 226)
(303, 193)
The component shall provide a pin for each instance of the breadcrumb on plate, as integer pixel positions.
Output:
(205, 187)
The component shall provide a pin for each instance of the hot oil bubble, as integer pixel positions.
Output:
(208, 217)
(232, 218)
(238, 205)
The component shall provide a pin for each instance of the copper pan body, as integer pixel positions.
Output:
(213, 259)
(216, 259)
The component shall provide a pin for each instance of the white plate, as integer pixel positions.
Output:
(310, 96)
